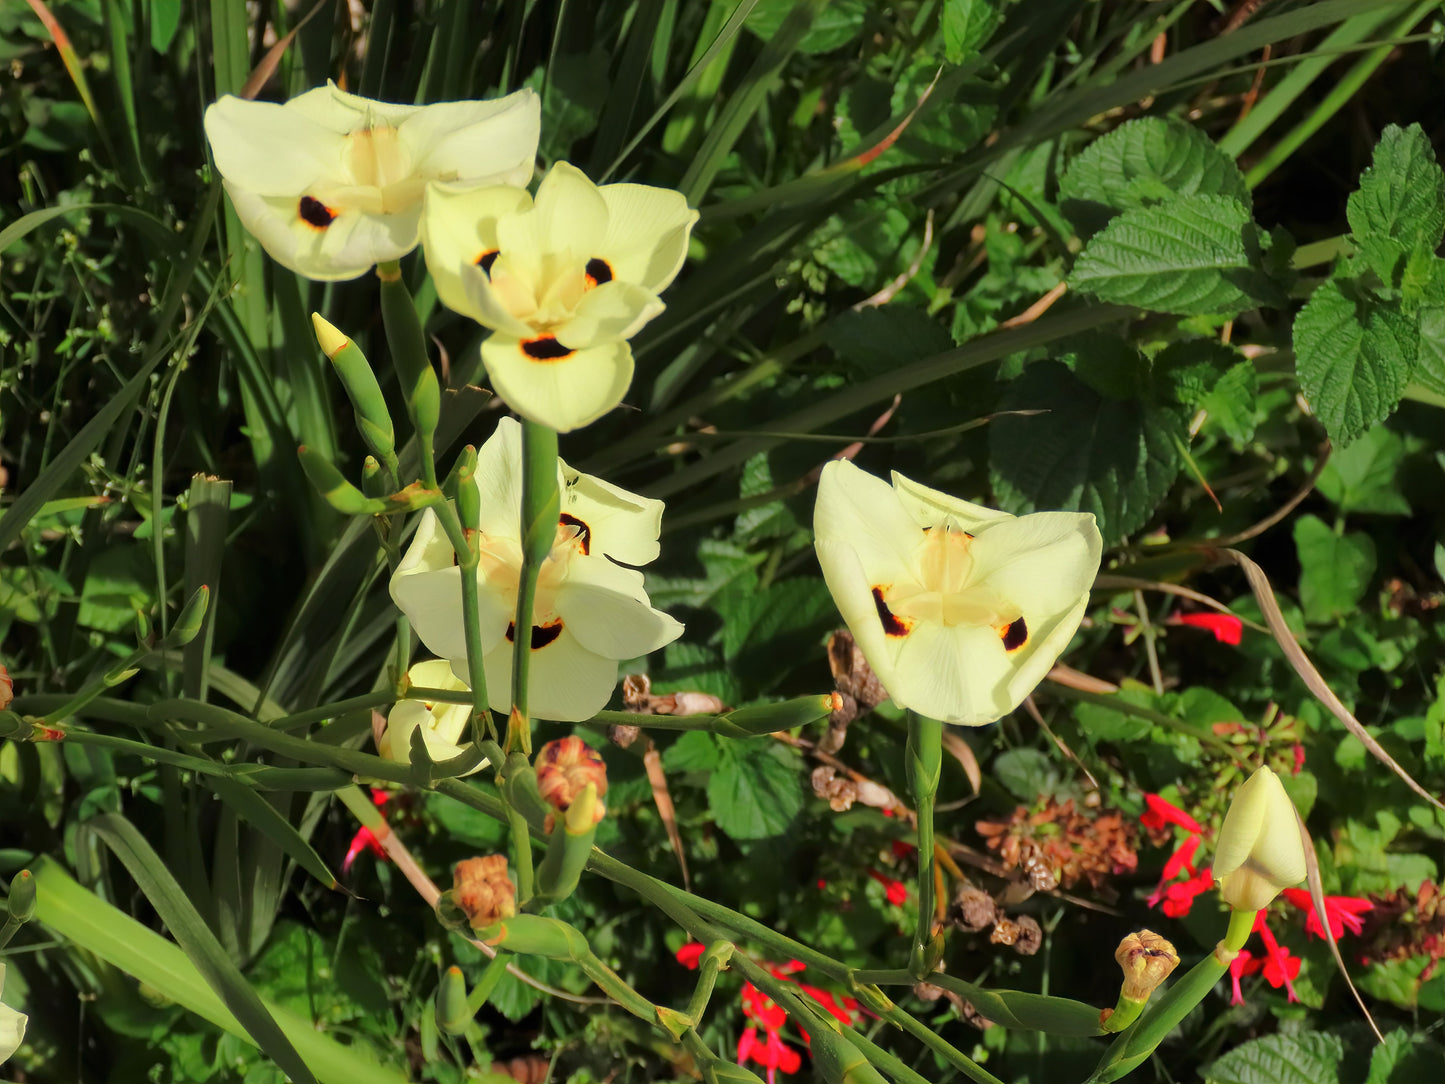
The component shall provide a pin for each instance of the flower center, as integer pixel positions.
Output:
(944, 592)
(381, 170)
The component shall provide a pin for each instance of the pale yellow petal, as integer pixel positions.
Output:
(608, 611)
(620, 525)
(349, 246)
(270, 150)
(567, 682)
(477, 142)
(647, 234)
(562, 392)
(928, 507)
(459, 237)
(608, 313)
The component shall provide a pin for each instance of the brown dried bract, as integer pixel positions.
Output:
(638, 698)
(841, 791)
(1057, 844)
(856, 683)
(973, 909)
(483, 891)
(7, 689)
(1404, 924)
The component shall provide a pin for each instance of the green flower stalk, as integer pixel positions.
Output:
(419, 385)
(925, 765)
(569, 848)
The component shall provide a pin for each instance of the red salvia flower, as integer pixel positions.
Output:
(364, 840)
(1243, 964)
(1280, 968)
(1227, 628)
(896, 891)
(1159, 814)
(1343, 912)
(1179, 897)
(690, 954)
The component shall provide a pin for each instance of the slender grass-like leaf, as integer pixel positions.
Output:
(208, 506)
(198, 942)
(90, 922)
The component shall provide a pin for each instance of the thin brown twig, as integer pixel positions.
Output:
(1282, 511)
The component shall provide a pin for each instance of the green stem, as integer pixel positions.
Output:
(925, 765)
(468, 559)
(491, 975)
(541, 510)
(407, 343)
(1134, 1046)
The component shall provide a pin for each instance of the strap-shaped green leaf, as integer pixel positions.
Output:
(199, 943)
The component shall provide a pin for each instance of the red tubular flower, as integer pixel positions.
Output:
(364, 839)
(1179, 897)
(1227, 628)
(690, 954)
(1280, 968)
(1343, 912)
(1159, 814)
(1243, 964)
(896, 891)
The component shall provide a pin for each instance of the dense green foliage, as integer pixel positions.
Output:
(1121, 257)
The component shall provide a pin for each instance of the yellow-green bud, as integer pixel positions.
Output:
(1259, 851)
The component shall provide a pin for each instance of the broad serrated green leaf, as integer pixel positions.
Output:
(1307, 1058)
(1114, 458)
(1354, 357)
(1407, 1059)
(879, 340)
(834, 25)
(1335, 569)
(756, 791)
(1363, 477)
(1192, 255)
(695, 751)
(966, 25)
(1399, 208)
(1430, 358)
(1144, 162)
(1208, 375)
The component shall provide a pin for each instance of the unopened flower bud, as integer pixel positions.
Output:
(1147, 960)
(1259, 851)
(483, 891)
(564, 770)
(7, 689)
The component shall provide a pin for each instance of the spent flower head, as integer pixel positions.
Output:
(331, 183)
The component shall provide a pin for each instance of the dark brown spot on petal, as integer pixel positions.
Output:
(545, 348)
(892, 624)
(486, 259)
(584, 532)
(315, 213)
(542, 635)
(598, 271)
(1014, 635)
(427, 706)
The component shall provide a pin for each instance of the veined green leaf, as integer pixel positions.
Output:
(1399, 208)
(1195, 254)
(1144, 162)
(1354, 357)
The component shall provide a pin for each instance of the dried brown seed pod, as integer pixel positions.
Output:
(483, 891)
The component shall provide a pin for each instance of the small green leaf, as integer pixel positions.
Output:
(1112, 457)
(1307, 1058)
(1399, 209)
(834, 24)
(694, 751)
(1145, 162)
(756, 792)
(967, 24)
(1354, 357)
(1335, 569)
(1210, 376)
(1027, 774)
(1430, 359)
(1363, 477)
(1192, 255)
